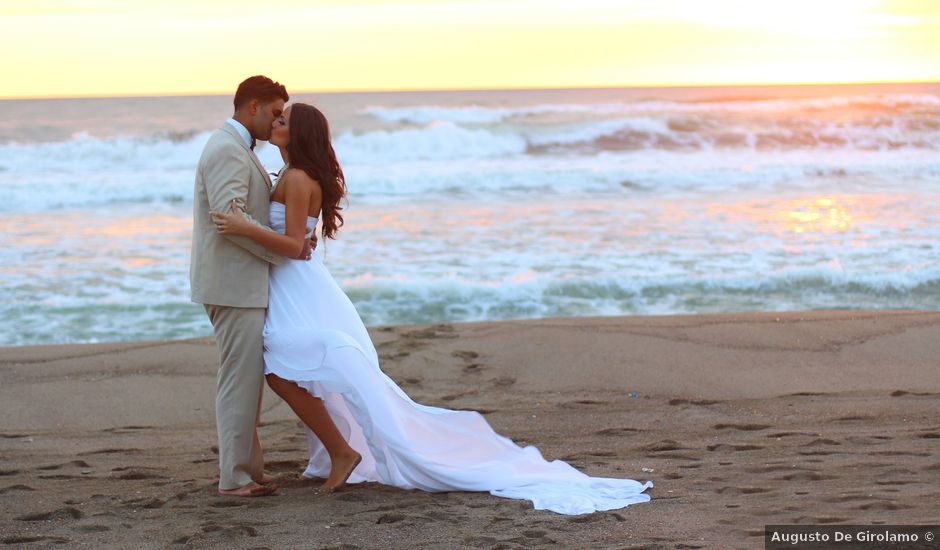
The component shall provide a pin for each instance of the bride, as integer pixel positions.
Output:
(319, 358)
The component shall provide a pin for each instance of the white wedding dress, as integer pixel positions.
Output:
(314, 336)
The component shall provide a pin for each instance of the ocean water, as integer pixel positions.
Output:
(468, 206)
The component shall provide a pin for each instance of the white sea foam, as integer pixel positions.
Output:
(437, 140)
(73, 175)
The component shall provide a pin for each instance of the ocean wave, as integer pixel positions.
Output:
(473, 133)
(478, 114)
(864, 122)
(811, 289)
(88, 154)
(429, 302)
(512, 177)
(437, 140)
(696, 133)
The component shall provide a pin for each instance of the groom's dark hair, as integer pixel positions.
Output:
(261, 88)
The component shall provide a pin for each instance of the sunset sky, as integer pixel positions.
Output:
(114, 47)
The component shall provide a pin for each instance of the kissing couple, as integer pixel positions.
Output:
(279, 316)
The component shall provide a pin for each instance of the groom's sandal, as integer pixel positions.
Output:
(251, 490)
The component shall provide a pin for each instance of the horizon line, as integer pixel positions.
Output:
(487, 89)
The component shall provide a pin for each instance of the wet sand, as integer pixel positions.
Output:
(740, 420)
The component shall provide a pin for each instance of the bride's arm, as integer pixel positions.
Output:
(300, 189)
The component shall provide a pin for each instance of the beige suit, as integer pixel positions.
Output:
(229, 276)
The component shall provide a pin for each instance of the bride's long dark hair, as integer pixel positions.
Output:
(310, 150)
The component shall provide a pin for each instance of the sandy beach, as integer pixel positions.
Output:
(740, 420)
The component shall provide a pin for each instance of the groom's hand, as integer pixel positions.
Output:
(309, 246)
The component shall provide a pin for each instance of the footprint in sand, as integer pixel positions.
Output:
(805, 476)
(442, 516)
(617, 431)
(186, 492)
(230, 503)
(390, 518)
(435, 332)
(676, 456)
(771, 468)
(899, 472)
(724, 447)
(351, 497)
(455, 396)
(664, 445)
(135, 473)
(503, 381)
(868, 440)
(110, 451)
(844, 498)
(383, 508)
(387, 357)
(900, 453)
(804, 520)
(534, 533)
(228, 531)
(893, 482)
(147, 503)
(883, 506)
(28, 539)
(18, 487)
(742, 490)
(92, 528)
(75, 463)
(781, 435)
(818, 442)
(699, 402)
(742, 427)
(855, 418)
(595, 518)
(127, 429)
(67, 512)
(479, 542)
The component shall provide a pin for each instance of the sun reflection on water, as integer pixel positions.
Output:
(820, 214)
(817, 216)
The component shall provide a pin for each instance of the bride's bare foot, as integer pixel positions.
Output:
(340, 470)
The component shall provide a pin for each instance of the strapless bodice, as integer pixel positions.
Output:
(278, 219)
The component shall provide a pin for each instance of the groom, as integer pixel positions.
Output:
(229, 276)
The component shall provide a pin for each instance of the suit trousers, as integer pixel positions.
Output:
(240, 382)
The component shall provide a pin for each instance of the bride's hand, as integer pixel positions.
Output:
(230, 224)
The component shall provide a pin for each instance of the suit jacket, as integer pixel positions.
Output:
(229, 270)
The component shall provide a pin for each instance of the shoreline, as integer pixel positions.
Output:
(740, 419)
